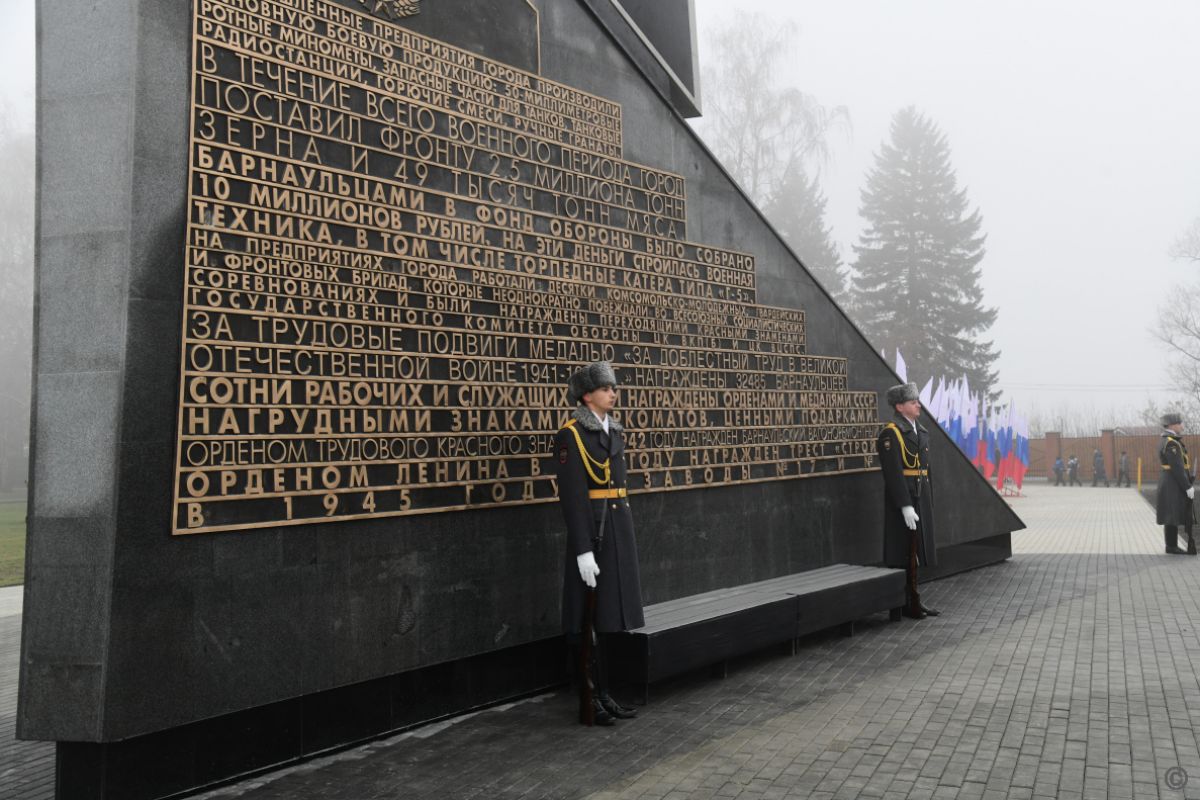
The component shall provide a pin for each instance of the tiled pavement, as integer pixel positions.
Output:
(1065, 672)
(26, 768)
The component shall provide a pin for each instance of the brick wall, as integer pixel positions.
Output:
(1042, 453)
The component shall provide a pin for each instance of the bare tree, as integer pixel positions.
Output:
(1077, 419)
(1186, 246)
(1178, 329)
(1153, 411)
(759, 127)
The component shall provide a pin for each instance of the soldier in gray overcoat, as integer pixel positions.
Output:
(903, 448)
(593, 487)
(1175, 491)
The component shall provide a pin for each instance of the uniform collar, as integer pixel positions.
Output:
(589, 422)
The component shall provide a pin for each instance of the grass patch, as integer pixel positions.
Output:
(12, 543)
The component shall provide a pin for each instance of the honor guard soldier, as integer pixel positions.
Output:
(602, 593)
(903, 448)
(1175, 490)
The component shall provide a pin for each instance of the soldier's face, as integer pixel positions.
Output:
(910, 409)
(601, 400)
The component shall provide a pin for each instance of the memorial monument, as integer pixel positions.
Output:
(311, 277)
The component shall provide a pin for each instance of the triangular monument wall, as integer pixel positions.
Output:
(311, 277)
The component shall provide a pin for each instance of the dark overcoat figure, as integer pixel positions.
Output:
(1099, 473)
(904, 461)
(1173, 506)
(582, 451)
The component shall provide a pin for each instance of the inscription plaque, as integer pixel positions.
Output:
(398, 250)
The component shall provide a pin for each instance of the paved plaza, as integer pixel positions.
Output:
(26, 768)
(1066, 672)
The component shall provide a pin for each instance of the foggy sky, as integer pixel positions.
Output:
(17, 63)
(1075, 128)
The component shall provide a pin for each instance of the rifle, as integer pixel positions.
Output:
(914, 602)
(587, 687)
(1191, 529)
(587, 648)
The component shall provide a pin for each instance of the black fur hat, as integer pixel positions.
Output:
(1172, 418)
(589, 379)
(902, 394)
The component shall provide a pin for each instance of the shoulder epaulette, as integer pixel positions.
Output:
(911, 460)
(605, 466)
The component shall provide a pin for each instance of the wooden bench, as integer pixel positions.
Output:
(708, 629)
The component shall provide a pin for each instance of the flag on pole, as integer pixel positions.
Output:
(995, 439)
(939, 403)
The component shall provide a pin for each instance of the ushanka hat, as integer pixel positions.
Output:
(1172, 418)
(902, 394)
(589, 379)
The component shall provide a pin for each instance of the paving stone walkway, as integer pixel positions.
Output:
(1068, 671)
(26, 768)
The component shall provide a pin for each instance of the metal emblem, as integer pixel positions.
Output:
(393, 9)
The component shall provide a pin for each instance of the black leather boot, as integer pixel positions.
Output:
(616, 709)
(600, 715)
(1171, 538)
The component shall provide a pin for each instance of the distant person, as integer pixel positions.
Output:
(1123, 469)
(1098, 471)
(1059, 469)
(1073, 471)
(1175, 490)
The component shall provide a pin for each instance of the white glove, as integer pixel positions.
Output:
(1191, 492)
(588, 569)
(910, 517)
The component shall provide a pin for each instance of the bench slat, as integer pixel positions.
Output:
(708, 628)
(683, 610)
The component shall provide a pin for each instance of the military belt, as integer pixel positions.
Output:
(607, 494)
(916, 473)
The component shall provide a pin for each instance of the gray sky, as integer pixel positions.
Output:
(1074, 126)
(16, 62)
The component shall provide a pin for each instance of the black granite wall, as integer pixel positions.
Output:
(129, 630)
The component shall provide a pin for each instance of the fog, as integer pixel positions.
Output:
(16, 59)
(1075, 129)
(16, 239)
